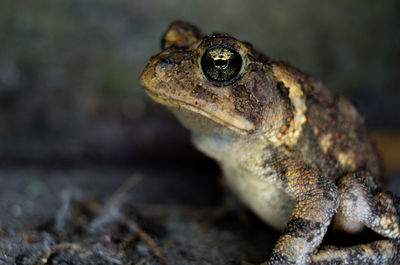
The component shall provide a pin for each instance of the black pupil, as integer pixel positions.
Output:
(221, 63)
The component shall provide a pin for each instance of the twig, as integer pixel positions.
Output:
(134, 227)
(110, 210)
(128, 184)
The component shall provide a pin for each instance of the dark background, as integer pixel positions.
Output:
(73, 116)
(69, 69)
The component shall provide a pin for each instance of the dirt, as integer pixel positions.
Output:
(124, 216)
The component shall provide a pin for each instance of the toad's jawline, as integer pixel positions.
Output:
(239, 126)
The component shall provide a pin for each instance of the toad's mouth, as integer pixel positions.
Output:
(237, 124)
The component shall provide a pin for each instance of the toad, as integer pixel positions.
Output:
(294, 153)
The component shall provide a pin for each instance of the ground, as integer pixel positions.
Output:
(126, 215)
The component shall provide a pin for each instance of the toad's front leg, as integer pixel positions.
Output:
(316, 202)
(362, 203)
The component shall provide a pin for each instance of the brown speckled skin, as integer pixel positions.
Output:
(296, 154)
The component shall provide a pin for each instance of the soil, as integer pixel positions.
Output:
(126, 215)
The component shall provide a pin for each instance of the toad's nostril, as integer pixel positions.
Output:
(164, 62)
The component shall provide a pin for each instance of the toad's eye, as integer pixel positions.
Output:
(221, 63)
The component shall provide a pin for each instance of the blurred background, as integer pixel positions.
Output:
(69, 69)
(72, 112)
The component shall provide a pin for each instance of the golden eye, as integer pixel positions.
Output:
(221, 63)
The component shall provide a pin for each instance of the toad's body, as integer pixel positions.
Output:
(297, 155)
